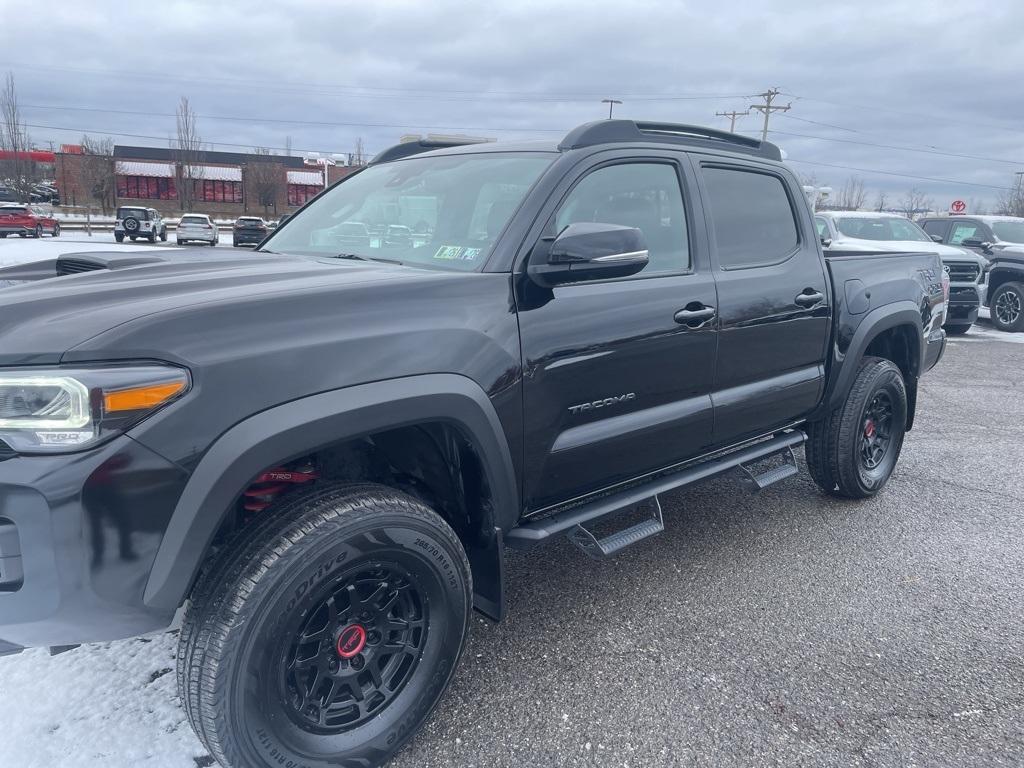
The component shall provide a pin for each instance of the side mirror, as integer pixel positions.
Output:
(973, 242)
(588, 251)
(936, 238)
(826, 241)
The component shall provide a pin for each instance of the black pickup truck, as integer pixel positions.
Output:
(322, 450)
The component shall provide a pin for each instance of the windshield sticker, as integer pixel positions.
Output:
(457, 253)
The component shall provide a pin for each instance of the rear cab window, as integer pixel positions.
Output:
(752, 217)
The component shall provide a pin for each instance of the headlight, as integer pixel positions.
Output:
(64, 410)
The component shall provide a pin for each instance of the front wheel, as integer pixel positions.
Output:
(1007, 307)
(38, 231)
(853, 450)
(163, 235)
(56, 230)
(325, 635)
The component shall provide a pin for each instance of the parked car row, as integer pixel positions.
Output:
(27, 221)
(138, 223)
(847, 231)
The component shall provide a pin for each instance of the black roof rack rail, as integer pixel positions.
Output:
(418, 146)
(614, 131)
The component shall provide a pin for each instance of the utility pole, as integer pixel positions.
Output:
(767, 108)
(611, 105)
(732, 118)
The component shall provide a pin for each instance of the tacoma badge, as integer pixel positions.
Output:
(616, 400)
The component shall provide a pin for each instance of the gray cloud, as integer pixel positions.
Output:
(927, 76)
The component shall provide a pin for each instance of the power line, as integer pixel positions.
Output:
(393, 92)
(326, 123)
(894, 173)
(167, 138)
(900, 148)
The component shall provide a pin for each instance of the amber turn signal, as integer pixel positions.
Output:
(142, 398)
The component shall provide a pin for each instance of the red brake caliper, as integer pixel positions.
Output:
(272, 483)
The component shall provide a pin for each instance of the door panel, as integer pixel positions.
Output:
(614, 385)
(774, 301)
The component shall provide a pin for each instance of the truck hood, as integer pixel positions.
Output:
(42, 320)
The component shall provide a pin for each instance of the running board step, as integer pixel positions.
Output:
(609, 545)
(534, 532)
(761, 480)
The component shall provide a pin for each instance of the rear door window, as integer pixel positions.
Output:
(752, 217)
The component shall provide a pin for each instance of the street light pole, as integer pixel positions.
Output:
(611, 105)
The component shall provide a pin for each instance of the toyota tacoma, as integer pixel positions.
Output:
(321, 452)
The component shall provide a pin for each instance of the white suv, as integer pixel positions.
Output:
(197, 228)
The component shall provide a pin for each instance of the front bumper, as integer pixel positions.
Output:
(964, 303)
(78, 536)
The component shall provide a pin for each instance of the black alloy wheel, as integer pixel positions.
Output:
(324, 635)
(356, 650)
(1007, 309)
(877, 433)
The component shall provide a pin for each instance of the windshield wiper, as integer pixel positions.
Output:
(359, 257)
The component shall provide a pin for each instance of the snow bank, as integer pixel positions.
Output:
(98, 706)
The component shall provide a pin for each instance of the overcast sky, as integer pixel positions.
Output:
(942, 77)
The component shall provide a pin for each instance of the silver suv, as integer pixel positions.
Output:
(134, 222)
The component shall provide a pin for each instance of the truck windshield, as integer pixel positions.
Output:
(880, 228)
(443, 211)
(1009, 231)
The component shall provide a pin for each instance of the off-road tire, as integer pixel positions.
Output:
(1014, 293)
(163, 235)
(833, 448)
(268, 579)
(119, 238)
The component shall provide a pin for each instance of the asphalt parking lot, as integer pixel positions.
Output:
(785, 628)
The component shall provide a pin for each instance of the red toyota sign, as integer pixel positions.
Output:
(958, 206)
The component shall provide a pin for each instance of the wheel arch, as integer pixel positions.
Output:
(295, 429)
(894, 332)
(999, 275)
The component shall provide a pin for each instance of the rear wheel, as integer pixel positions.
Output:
(325, 635)
(163, 235)
(118, 237)
(1007, 307)
(38, 231)
(852, 452)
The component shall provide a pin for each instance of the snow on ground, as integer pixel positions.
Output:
(107, 705)
(26, 250)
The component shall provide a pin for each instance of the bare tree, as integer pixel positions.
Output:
(1011, 201)
(915, 202)
(189, 146)
(852, 195)
(263, 179)
(18, 170)
(96, 173)
(881, 201)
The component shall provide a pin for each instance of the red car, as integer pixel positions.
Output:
(26, 221)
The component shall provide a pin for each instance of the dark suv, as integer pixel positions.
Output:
(248, 230)
(323, 450)
(1000, 240)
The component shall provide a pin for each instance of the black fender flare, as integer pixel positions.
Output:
(844, 364)
(1002, 271)
(301, 426)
